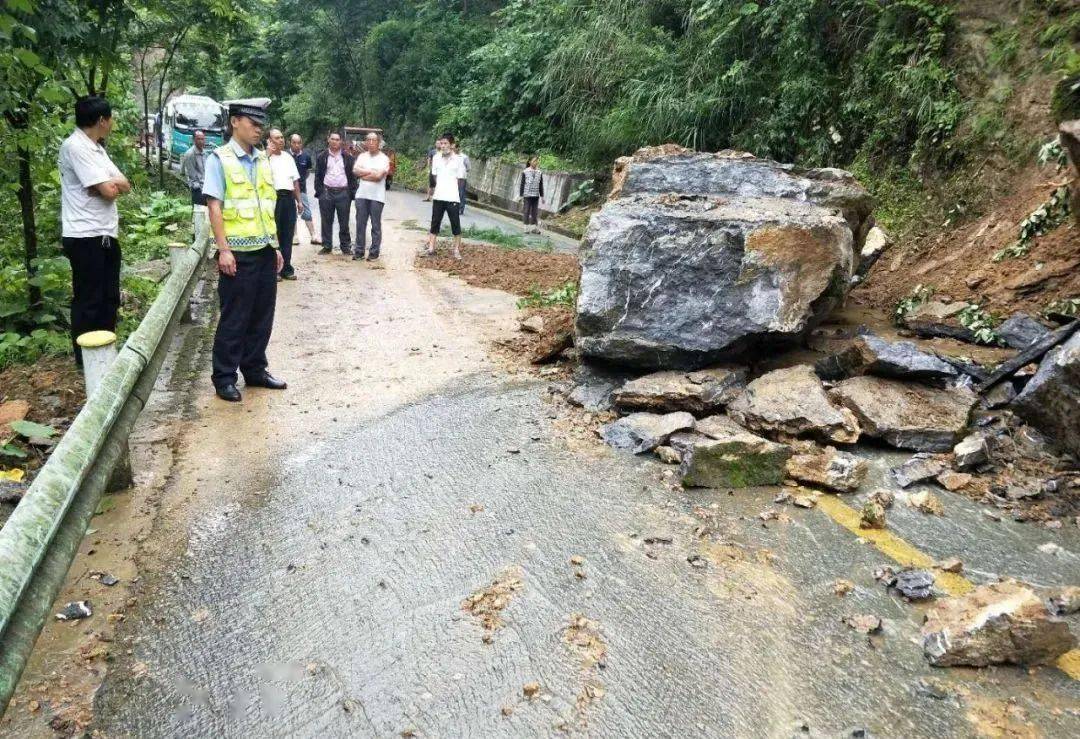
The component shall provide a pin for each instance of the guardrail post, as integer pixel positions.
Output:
(98, 353)
(176, 256)
(200, 220)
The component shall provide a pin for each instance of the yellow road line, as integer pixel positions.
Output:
(900, 551)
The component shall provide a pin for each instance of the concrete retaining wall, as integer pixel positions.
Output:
(495, 182)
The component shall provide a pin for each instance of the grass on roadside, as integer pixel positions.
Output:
(566, 294)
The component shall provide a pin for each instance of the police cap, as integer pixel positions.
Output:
(253, 108)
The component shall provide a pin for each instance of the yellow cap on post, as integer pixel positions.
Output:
(94, 339)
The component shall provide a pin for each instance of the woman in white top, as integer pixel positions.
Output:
(289, 205)
(371, 168)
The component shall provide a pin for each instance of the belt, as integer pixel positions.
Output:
(336, 189)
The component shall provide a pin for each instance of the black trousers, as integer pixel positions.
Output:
(335, 202)
(95, 285)
(247, 317)
(438, 207)
(532, 210)
(285, 222)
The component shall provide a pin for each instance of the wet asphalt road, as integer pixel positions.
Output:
(335, 531)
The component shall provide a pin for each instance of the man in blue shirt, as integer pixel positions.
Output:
(304, 163)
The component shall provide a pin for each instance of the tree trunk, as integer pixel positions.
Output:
(26, 205)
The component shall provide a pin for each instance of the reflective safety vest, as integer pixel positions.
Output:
(248, 209)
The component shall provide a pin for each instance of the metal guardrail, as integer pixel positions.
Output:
(40, 539)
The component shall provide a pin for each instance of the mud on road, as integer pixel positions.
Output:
(414, 539)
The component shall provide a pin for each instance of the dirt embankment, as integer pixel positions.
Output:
(965, 262)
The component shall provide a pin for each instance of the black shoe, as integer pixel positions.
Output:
(229, 393)
(346, 252)
(325, 250)
(290, 275)
(373, 257)
(267, 380)
(357, 256)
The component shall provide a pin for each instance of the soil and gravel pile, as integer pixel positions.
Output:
(517, 271)
(959, 263)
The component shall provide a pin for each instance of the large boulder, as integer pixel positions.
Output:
(697, 258)
(731, 456)
(907, 415)
(700, 392)
(792, 402)
(1003, 622)
(1051, 400)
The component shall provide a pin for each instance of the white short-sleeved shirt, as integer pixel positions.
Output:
(283, 167)
(371, 190)
(84, 163)
(447, 171)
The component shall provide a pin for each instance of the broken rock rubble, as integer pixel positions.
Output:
(643, 432)
(871, 355)
(919, 468)
(1003, 622)
(907, 416)
(792, 402)
(1051, 398)
(829, 468)
(701, 392)
(730, 456)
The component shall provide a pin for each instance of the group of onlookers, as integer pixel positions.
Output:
(253, 200)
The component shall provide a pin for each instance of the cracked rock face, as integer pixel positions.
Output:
(670, 168)
(792, 402)
(1003, 622)
(1051, 399)
(701, 392)
(906, 415)
(730, 456)
(643, 432)
(683, 281)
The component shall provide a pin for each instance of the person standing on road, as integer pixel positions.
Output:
(447, 169)
(193, 165)
(289, 205)
(304, 164)
(371, 169)
(335, 185)
(89, 185)
(531, 189)
(462, 182)
(240, 196)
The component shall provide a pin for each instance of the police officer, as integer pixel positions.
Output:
(240, 196)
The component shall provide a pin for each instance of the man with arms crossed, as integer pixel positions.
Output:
(89, 186)
(370, 169)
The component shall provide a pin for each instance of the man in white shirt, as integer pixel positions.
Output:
(447, 169)
(289, 204)
(89, 186)
(371, 168)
